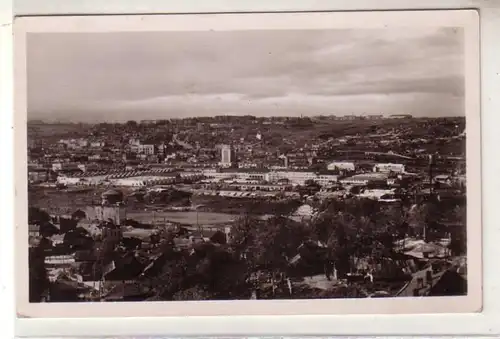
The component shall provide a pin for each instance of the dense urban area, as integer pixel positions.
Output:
(242, 207)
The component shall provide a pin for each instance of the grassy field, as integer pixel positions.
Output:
(192, 218)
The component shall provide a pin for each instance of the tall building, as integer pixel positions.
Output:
(227, 156)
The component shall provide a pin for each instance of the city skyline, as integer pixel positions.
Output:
(137, 76)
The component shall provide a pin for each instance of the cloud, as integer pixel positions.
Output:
(158, 74)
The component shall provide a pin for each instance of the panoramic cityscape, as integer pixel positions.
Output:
(294, 168)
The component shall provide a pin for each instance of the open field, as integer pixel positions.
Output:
(190, 217)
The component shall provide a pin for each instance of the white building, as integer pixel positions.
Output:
(364, 179)
(142, 181)
(236, 176)
(375, 194)
(64, 166)
(68, 180)
(325, 179)
(397, 168)
(300, 178)
(247, 165)
(97, 144)
(293, 177)
(227, 156)
(88, 167)
(59, 259)
(146, 149)
(339, 165)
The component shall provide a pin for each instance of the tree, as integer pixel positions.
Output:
(310, 187)
(37, 216)
(38, 280)
(424, 218)
(223, 274)
(192, 293)
(131, 123)
(267, 246)
(78, 215)
(78, 238)
(458, 244)
(357, 228)
(459, 214)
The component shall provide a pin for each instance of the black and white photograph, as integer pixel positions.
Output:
(272, 163)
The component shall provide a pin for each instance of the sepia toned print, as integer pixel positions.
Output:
(317, 163)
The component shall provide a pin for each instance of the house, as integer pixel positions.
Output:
(64, 290)
(365, 179)
(38, 174)
(433, 281)
(34, 230)
(385, 168)
(147, 149)
(111, 271)
(127, 291)
(48, 229)
(401, 116)
(97, 144)
(389, 267)
(57, 260)
(125, 268)
(65, 166)
(85, 256)
(88, 167)
(443, 179)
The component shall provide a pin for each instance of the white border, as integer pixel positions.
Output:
(468, 325)
(468, 20)
(66, 7)
(7, 302)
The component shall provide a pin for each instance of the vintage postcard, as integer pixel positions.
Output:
(248, 164)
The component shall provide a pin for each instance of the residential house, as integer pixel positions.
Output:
(34, 230)
(433, 282)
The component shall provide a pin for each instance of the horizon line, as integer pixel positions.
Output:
(382, 117)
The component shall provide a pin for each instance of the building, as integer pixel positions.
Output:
(112, 234)
(365, 179)
(106, 213)
(65, 166)
(300, 178)
(97, 144)
(385, 168)
(401, 116)
(341, 166)
(63, 180)
(38, 174)
(247, 165)
(142, 181)
(235, 176)
(228, 157)
(134, 142)
(56, 260)
(435, 282)
(88, 167)
(73, 143)
(285, 160)
(325, 179)
(34, 230)
(147, 149)
(111, 197)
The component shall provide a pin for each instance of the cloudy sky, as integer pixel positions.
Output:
(136, 75)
